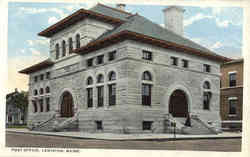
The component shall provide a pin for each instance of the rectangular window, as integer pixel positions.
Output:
(99, 125)
(100, 93)
(147, 55)
(112, 55)
(206, 100)
(174, 61)
(90, 62)
(47, 75)
(100, 59)
(147, 125)
(41, 105)
(206, 68)
(185, 63)
(232, 79)
(35, 79)
(90, 97)
(232, 107)
(34, 105)
(47, 104)
(112, 94)
(41, 77)
(146, 94)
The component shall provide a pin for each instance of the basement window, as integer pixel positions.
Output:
(99, 125)
(147, 125)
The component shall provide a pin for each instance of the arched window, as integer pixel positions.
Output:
(89, 81)
(147, 76)
(41, 91)
(70, 45)
(146, 88)
(206, 85)
(112, 76)
(35, 92)
(100, 78)
(63, 48)
(57, 51)
(34, 106)
(206, 95)
(78, 44)
(47, 90)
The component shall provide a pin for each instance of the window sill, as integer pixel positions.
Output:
(232, 115)
(147, 105)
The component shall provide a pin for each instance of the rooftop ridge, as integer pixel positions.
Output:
(115, 9)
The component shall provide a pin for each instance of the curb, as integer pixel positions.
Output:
(135, 139)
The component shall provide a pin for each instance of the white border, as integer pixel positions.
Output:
(99, 152)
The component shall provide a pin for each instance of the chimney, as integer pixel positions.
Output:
(173, 19)
(121, 6)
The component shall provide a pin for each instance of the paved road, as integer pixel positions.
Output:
(27, 140)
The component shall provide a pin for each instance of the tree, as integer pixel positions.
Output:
(20, 100)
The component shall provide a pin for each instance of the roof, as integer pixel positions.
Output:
(11, 94)
(234, 61)
(127, 26)
(41, 65)
(151, 30)
(109, 11)
(99, 12)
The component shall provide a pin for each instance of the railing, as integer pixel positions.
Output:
(171, 120)
(40, 125)
(66, 122)
(204, 124)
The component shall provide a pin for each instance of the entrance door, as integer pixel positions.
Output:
(178, 105)
(67, 105)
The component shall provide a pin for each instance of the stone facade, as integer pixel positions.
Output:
(232, 93)
(70, 74)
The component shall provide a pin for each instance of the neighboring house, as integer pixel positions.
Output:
(232, 94)
(14, 114)
(114, 71)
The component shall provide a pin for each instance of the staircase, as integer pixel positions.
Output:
(58, 124)
(198, 127)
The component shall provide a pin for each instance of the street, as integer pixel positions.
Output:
(27, 140)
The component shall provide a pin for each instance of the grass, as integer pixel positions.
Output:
(17, 126)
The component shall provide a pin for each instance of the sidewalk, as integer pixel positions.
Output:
(123, 137)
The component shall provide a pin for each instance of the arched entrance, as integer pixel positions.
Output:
(178, 104)
(67, 105)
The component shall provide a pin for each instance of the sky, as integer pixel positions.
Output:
(219, 29)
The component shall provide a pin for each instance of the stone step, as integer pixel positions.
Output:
(49, 126)
(197, 128)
